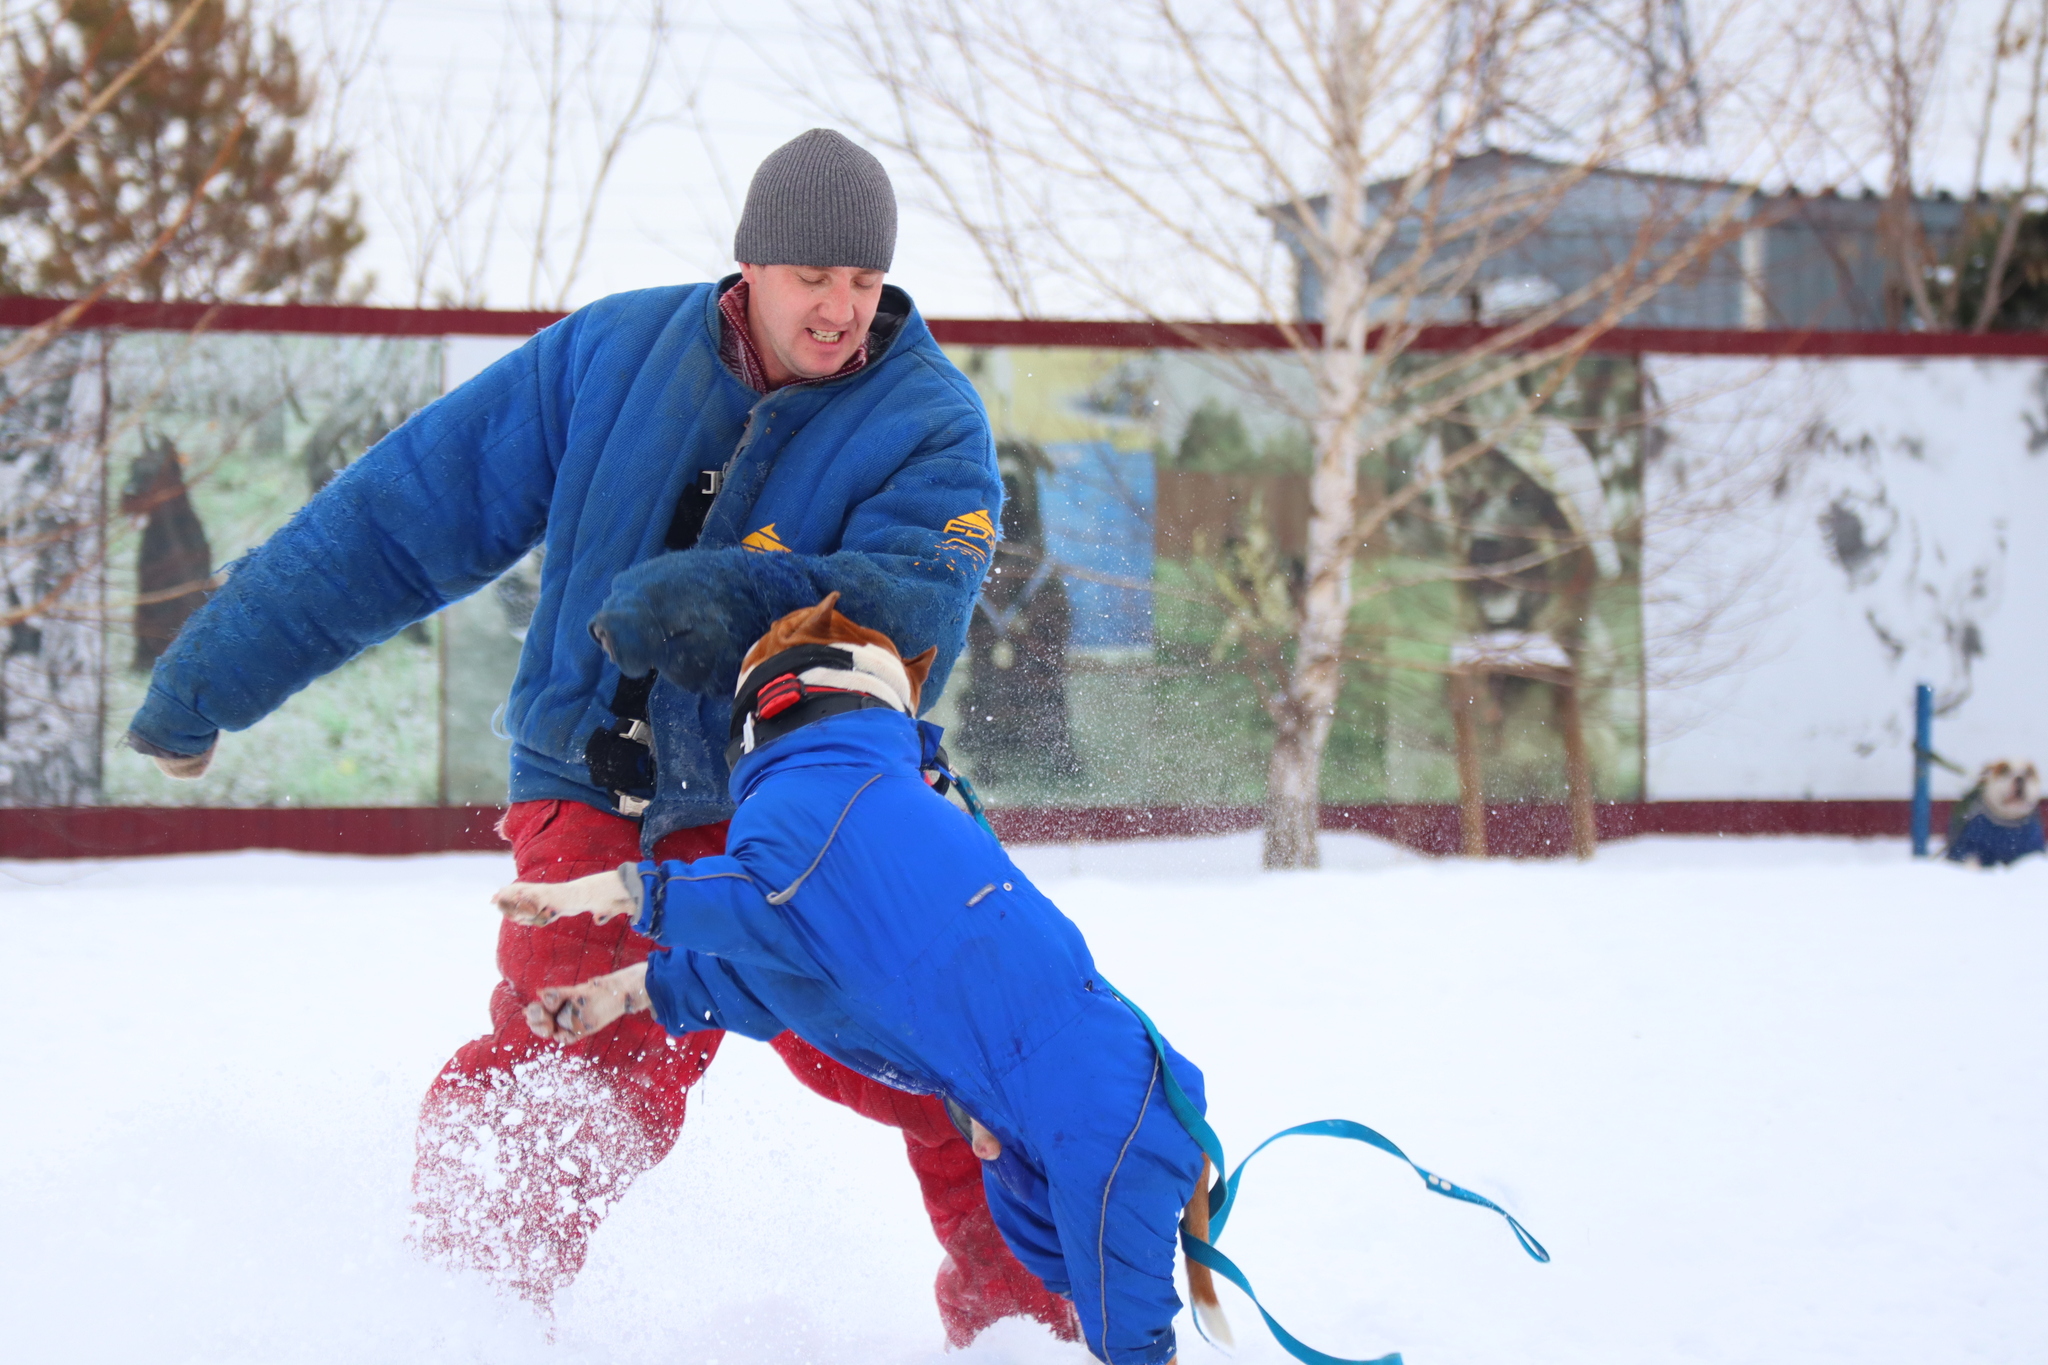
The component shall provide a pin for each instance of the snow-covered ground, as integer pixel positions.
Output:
(1765, 1100)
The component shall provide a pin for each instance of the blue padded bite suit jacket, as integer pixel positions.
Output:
(881, 484)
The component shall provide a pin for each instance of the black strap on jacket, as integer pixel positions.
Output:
(692, 508)
(621, 756)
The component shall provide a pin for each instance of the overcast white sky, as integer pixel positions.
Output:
(427, 103)
(450, 90)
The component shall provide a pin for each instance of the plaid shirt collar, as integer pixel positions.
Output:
(736, 347)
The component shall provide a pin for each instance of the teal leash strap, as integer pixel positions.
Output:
(1358, 1132)
(1208, 1255)
(1223, 1196)
(1190, 1117)
(974, 807)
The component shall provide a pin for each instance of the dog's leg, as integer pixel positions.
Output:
(1201, 1280)
(568, 1014)
(602, 896)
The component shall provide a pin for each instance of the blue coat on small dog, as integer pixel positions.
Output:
(1990, 842)
(862, 909)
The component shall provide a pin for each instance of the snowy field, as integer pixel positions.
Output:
(1765, 1100)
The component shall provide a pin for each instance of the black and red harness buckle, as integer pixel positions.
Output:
(776, 699)
(779, 694)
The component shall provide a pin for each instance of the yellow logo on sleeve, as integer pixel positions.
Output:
(974, 533)
(764, 541)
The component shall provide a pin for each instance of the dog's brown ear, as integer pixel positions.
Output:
(819, 616)
(919, 669)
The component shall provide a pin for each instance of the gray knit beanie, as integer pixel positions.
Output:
(818, 200)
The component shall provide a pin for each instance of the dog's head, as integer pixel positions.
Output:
(880, 669)
(2011, 788)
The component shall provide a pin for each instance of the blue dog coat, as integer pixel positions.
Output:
(861, 909)
(1993, 843)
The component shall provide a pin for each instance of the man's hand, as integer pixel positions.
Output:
(689, 615)
(183, 767)
(569, 1014)
(602, 896)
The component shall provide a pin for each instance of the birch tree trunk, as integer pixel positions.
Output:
(1306, 707)
(1307, 703)
(51, 647)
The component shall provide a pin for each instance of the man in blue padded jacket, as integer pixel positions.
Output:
(706, 457)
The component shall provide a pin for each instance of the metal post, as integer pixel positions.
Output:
(1923, 762)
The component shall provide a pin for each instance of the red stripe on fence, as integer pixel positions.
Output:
(316, 318)
(1516, 831)
(350, 319)
(138, 831)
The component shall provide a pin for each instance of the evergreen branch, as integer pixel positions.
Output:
(93, 107)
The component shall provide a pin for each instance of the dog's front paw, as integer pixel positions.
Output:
(568, 1014)
(602, 896)
(527, 903)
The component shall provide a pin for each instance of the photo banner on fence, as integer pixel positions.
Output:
(1710, 572)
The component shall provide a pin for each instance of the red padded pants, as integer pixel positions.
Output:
(524, 1146)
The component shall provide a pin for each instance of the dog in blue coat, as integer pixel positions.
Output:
(1999, 820)
(858, 907)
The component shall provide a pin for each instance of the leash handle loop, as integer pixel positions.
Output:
(1223, 1195)
(1358, 1132)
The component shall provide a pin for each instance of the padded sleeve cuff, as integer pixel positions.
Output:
(165, 727)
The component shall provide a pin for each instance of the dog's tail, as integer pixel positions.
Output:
(1201, 1280)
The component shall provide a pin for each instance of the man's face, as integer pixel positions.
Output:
(808, 320)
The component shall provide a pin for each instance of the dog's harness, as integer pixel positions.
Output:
(777, 698)
(787, 691)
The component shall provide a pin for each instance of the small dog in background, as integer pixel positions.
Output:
(1998, 821)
